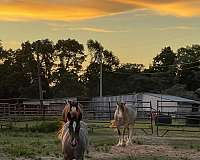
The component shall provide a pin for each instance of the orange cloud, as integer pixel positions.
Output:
(68, 10)
(168, 7)
(93, 29)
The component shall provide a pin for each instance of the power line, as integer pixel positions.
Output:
(175, 65)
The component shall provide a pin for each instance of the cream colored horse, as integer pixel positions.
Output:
(124, 118)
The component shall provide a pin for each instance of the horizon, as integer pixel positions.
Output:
(136, 31)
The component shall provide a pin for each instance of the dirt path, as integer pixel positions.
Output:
(146, 150)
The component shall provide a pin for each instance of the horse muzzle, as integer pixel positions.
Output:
(74, 142)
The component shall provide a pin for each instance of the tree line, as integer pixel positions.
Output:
(62, 73)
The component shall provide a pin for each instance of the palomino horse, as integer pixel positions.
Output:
(73, 133)
(124, 118)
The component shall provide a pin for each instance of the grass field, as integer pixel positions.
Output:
(38, 140)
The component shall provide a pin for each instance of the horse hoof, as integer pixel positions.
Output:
(129, 143)
(124, 144)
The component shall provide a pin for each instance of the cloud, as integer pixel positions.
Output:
(180, 8)
(59, 10)
(70, 10)
(176, 28)
(92, 29)
(58, 27)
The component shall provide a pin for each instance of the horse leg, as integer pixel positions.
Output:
(119, 134)
(128, 130)
(66, 158)
(129, 141)
(123, 136)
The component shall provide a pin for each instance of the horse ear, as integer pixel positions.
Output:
(68, 116)
(80, 116)
(69, 102)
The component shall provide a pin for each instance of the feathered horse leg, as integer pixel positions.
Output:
(129, 140)
(120, 139)
(123, 136)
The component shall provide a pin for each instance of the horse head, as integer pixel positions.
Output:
(72, 111)
(121, 106)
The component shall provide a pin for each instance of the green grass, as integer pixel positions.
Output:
(40, 139)
(29, 144)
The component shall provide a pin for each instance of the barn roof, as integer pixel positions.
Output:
(172, 98)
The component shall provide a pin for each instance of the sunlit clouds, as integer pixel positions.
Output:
(58, 10)
(63, 27)
(70, 10)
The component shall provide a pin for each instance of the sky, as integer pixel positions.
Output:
(135, 30)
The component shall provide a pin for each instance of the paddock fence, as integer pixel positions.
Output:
(168, 116)
(174, 118)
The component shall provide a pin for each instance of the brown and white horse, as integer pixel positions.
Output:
(74, 133)
(73, 109)
(124, 118)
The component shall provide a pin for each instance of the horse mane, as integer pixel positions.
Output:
(63, 126)
(60, 132)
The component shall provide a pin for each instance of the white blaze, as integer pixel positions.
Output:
(74, 125)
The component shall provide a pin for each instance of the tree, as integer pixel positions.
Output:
(165, 61)
(188, 59)
(109, 63)
(45, 50)
(70, 56)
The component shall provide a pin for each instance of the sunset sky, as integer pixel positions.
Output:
(135, 30)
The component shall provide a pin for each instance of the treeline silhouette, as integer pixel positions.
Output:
(62, 74)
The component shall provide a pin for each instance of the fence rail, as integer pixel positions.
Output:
(184, 114)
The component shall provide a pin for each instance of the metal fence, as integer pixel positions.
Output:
(25, 112)
(103, 112)
(98, 112)
(178, 117)
(172, 114)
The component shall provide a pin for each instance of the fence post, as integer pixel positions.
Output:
(109, 106)
(157, 117)
(151, 118)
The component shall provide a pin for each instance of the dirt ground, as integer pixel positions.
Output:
(158, 149)
(136, 150)
(146, 150)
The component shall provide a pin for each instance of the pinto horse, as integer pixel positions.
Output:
(124, 118)
(73, 133)
(74, 139)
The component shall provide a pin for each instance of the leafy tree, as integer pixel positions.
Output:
(164, 61)
(109, 63)
(45, 50)
(188, 59)
(70, 56)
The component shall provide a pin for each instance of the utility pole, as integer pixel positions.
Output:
(39, 82)
(101, 75)
(101, 80)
